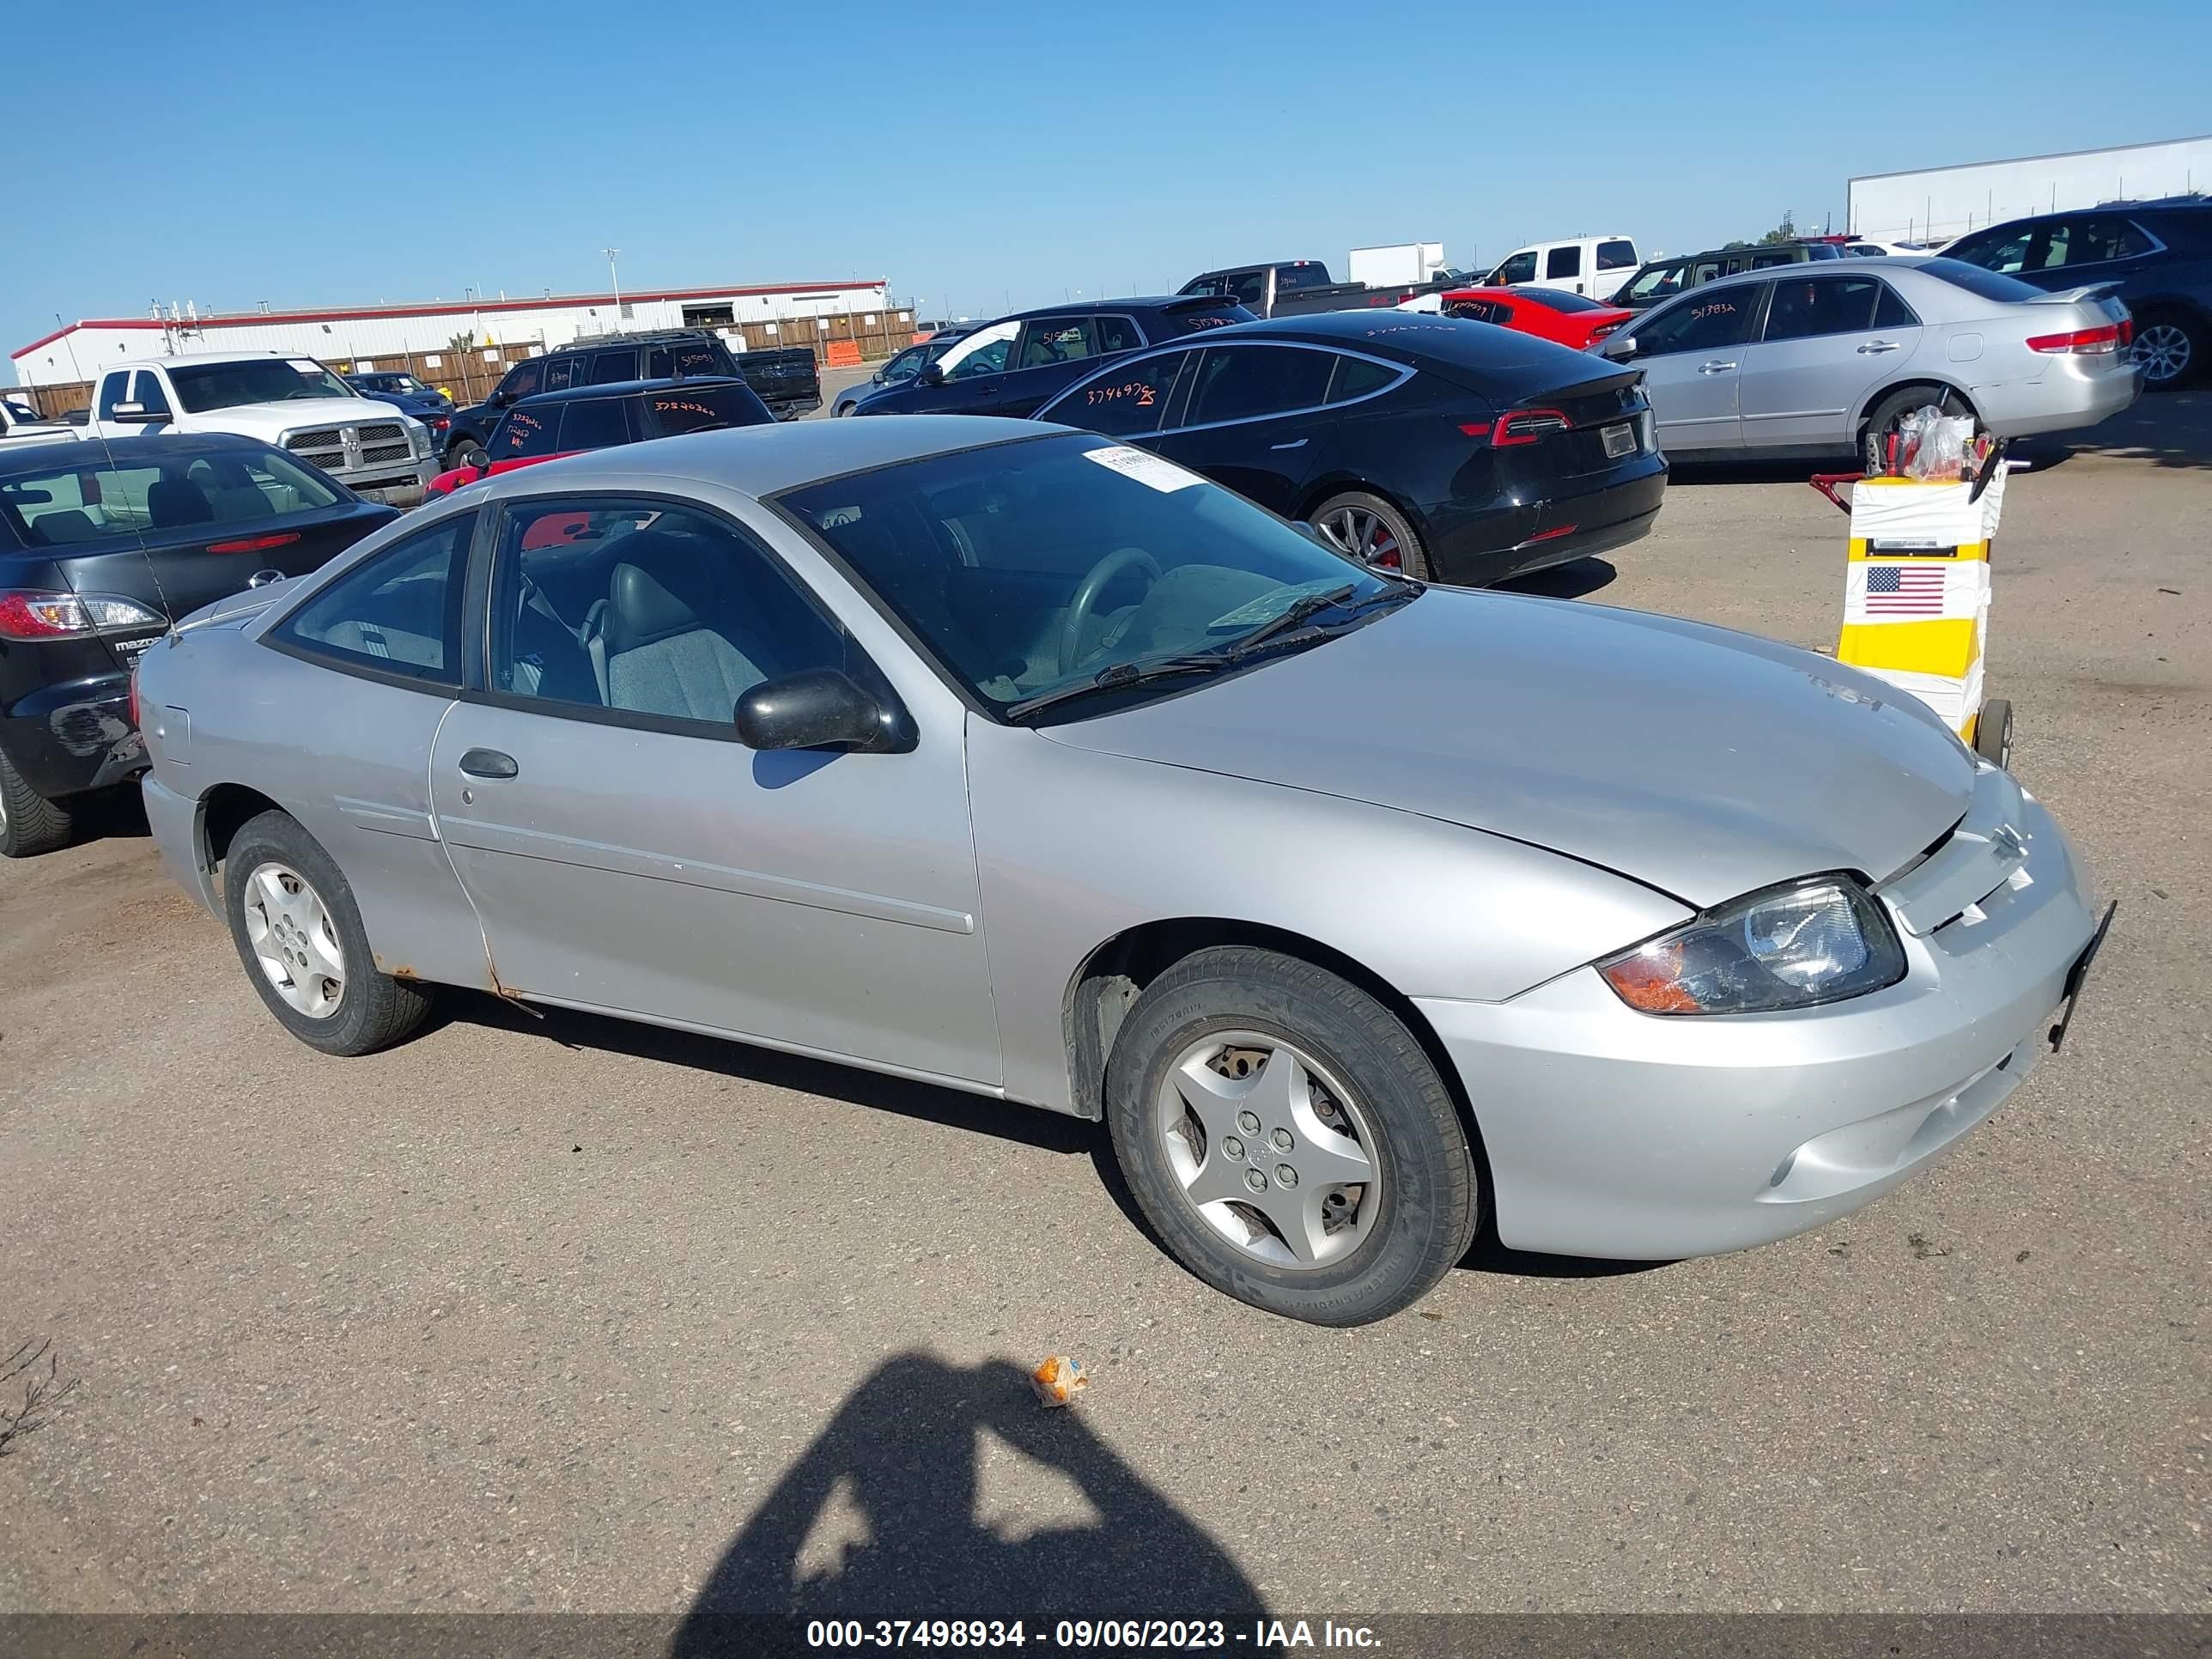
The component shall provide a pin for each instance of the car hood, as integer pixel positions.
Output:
(267, 420)
(1704, 763)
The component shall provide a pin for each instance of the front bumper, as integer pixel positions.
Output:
(1618, 1134)
(395, 486)
(71, 739)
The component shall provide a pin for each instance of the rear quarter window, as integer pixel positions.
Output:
(1619, 254)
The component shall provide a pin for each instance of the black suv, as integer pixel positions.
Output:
(786, 381)
(1010, 366)
(2158, 254)
(1662, 279)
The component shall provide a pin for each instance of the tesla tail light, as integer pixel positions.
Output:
(2083, 342)
(1527, 426)
(30, 615)
(1602, 330)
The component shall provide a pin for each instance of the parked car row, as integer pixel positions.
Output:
(551, 424)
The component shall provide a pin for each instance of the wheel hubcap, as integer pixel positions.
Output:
(294, 940)
(2163, 352)
(1273, 1151)
(1363, 535)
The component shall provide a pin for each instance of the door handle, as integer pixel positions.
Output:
(1715, 368)
(1300, 444)
(1872, 346)
(489, 763)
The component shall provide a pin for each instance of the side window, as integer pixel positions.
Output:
(1565, 261)
(400, 612)
(1360, 377)
(1248, 289)
(146, 388)
(594, 423)
(1518, 268)
(905, 366)
(1243, 383)
(1890, 310)
(113, 390)
(1806, 306)
(609, 368)
(526, 432)
(1117, 334)
(639, 608)
(986, 359)
(1998, 250)
(563, 371)
(1123, 402)
(522, 380)
(2092, 242)
(1700, 323)
(1050, 340)
(1619, 254)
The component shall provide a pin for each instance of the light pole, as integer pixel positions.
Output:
(616, 279)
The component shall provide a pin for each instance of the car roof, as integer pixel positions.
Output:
(190, 357)
(761, 461)
(176, 446)
(621, 388)
(1370, 328)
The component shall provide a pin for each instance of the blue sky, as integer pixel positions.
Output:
(980, 154)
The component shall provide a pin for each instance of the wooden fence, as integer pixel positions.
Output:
(467, 376)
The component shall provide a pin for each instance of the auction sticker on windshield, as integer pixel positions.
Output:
(1148, 470)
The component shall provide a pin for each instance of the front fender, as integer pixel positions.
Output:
(1075, 847)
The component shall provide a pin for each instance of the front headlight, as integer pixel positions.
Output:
(1807, 942)
(418, 436)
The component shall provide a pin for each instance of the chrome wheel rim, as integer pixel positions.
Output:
(1363, 535)
(294, 940)
(2162, 350)
(1270, 1149)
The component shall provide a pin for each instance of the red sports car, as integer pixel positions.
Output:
(1550, 313)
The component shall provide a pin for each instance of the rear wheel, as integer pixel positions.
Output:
(2171, 349)
(1993, 733)
(1288, 1139)
(1368, 528)
(298, 930)
(1889, 414)
(29, 824)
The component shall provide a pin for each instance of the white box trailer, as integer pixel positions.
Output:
(1937, 203)
(1399, 264)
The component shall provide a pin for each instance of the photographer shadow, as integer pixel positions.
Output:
(883, 1505)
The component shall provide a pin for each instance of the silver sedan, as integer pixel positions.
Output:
(1010, 759)
(1820, 360)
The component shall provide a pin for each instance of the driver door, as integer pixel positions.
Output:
(974, 372)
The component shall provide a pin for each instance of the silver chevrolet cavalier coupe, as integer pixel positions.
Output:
(1008, 758)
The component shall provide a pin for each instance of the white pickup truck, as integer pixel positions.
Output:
(293, 403)
(21, 424)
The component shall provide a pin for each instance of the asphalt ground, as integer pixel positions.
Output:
(566, 1314)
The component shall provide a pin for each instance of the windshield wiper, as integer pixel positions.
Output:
(1274, 633)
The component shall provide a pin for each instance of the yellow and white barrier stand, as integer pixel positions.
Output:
(1916, 595)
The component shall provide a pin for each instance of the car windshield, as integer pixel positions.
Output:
(84, 495)
(17, 412)
(1053, 563)
(203, 387)
(1654, 283)
(1981, 284)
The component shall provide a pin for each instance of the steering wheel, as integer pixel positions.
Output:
(1086, 597)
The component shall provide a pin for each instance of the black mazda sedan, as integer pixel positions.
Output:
(1448, 449)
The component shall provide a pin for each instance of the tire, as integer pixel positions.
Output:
(1365, 520)
(1394, 1234)
(371, 1010)
(30, 824)
(2170, 346)
(1993, 733)
(467, 453)
(1892, 408)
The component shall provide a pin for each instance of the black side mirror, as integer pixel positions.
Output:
(932, 375)
(818, 708)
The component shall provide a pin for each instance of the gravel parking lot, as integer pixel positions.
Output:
(561, 1313)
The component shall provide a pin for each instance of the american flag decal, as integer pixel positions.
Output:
(1895, 590)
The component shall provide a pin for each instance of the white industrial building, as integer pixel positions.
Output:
(1936, 204)
(788, 313)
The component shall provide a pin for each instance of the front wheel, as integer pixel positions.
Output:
(298, 930)
(1289, 1140)
(1369, 529)
(1993, 733)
